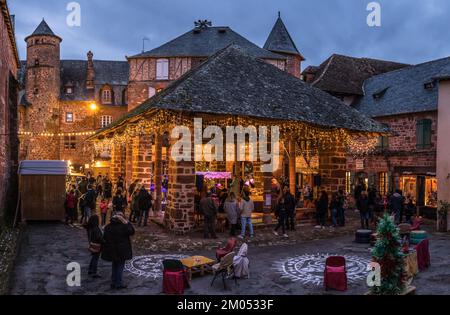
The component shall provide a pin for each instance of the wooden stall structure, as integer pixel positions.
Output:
(42, 190)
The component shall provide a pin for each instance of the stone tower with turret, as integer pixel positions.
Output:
(43, 93)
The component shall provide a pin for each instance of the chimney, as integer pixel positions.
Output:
(90, 71)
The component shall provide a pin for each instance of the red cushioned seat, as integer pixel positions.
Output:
(335, 275)
(174, 282)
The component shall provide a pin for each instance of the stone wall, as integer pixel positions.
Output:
(8, 117)
(332, 168)
(402, 152)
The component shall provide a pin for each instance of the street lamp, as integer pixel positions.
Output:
(93, 107)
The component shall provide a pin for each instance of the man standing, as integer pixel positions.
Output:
(363, 207)
(247, 207)
(144, 200)
(289, 203)
(117, 247)
(89, 203)
(209, 209)
(397, 203)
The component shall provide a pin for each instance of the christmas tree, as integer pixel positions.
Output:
(387, 253)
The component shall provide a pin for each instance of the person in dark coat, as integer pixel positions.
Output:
(281, 213)
(363, 206)
(289, 203)
(410, 211)
(117, 247)
(322, 209)
(107, 188)
(334, 207)
(70, 204)
(119, 203)
(144, 200)
(95, 236)
(89, 204)
(397, 202)
(209, 210)
(120, 185)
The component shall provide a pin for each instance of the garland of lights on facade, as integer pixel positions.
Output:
(358, 144)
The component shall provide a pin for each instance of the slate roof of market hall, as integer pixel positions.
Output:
(234, 83)
(204, 42)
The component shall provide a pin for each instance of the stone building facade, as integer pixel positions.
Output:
(403, 98)
(65, 101)
(154, 70)
(9, 64)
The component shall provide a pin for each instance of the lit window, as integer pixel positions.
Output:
(69, 90)
(106, 96)
(69, 117)
(383, 183)
(106, 121)
(162, 69)
(70, 142)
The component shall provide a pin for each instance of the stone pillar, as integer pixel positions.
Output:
(292, 158)
(118, 157)
(267, 184)
(158, 171)
(142, 159)
(332, 168)
(179, 215)
(129, 163)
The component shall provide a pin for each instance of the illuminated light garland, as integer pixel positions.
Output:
(49, 134)
(324, 138)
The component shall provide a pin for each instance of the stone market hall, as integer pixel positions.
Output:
(233, 88)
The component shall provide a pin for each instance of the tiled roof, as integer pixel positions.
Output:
(234, 83)
(43, 29)
(403, 91)
(204, 42)
(345, 75)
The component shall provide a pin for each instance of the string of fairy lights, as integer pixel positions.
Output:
(357, 143)
(52, 135)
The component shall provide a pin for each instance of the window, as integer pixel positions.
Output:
(125, 97)
(151, 91)
(69, 90)
(162, 69)
(383, 143)
(383, 183)
(423, 134)
(106, 96)
(36, 62)
(69, 117)
(70, 142)
(106, 121)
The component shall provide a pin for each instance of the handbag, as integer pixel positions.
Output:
(95, 248)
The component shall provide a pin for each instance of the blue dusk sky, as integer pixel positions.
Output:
(412, 31)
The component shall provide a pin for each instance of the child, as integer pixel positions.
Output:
(104, 210)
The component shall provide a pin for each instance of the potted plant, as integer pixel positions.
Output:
(443, 209)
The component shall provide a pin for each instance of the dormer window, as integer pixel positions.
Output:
(106, 95)
(429, 85)
(162, 69)
(380, 94)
